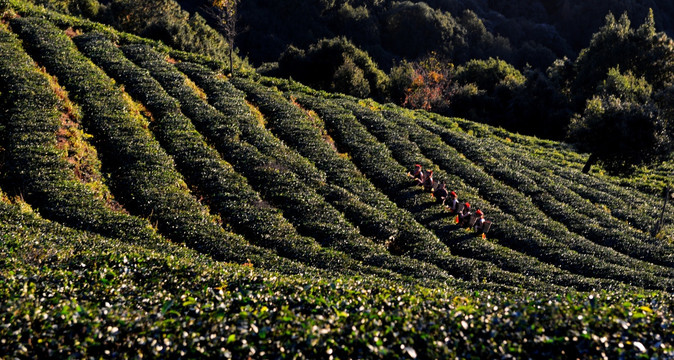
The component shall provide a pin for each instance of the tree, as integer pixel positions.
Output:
(621, 130)
(641, 51)
(495, 84)
(626, 120)
(336, 65)
(400, 79)
(430, 87)
(226, 14)
(490, 74)
(350, 79)
(163, 20)
(626, 87)
(86, 8)
(412, 29)
(538, 108)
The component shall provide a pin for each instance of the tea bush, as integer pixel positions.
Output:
(564, 205)
(143, 176)
(226, 191)
(562, 161)
(279, 115)
(371, 221)
(578, 255)
(171, 302)
(364, 147)
(362, 262)
(306, 209)
(416, 244)
(35, 167)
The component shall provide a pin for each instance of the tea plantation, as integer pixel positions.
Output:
(151, 206)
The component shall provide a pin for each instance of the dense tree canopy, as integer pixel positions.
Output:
(337, 65)
(621, 134)
(641, 51)
(623, 73)
(163, 20)
(522, 31)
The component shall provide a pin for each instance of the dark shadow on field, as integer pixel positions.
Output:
(452, 234)
(449, 230)
(418, 200)
(453, 240)
(425, 206)
(441, 215)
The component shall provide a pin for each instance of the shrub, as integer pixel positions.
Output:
(302, 205)
(36, 168)
(143, 176)
(245, 307)
(409, 153)
(512, 202)
(337, 65)
(226, 191)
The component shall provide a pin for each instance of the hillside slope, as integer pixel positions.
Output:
(151, 205)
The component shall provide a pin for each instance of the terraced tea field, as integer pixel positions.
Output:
(151, 206)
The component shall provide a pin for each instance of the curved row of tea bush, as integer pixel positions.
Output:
(368, 215)
(636, 199)
(372, 219)
(621, 260)
(35, 167)
(305, 133)
(638, 213)
(576, 213)
(621, 204)
(304, 207)
(56, 301)
(398, 184)
(143, 176)
(351, 190)
(606, 193)
(366, 150)
(520, 220)
(486, 180)
(649, 180)
(624, 203)
(230, 102)
(78, 24)
(226, 191)
(627, 208)
(537, 171)
(72, 293)
(406, 149)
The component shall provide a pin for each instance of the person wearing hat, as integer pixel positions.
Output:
(418, 174)
(441, 193)
(453, 202)
(465, 214)
(428, 180)
(479, 223)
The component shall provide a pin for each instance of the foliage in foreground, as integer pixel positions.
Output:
(70, 293)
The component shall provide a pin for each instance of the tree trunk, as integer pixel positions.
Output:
(590, 161)
(231, 59)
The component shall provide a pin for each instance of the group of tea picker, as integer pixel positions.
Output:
(465, 217)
